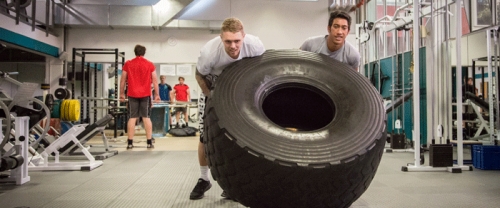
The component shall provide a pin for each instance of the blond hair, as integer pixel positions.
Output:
(233, 25)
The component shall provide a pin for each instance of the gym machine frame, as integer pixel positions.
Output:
(21, 129)
(19, 174)
(416, 167)
(82, 52)
(392, 23)
(493, 63)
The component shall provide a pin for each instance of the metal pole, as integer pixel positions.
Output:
(483, 90)
(437, 38)
(395, 72)
(81, 85)
(47, 9)
(385, 34)
(474, 72)
(403, 81)
(65, 43)
(416, 82)
(490, 83)
(393, 83)
(458, 28)
(377, 58)
(17, 6)
(448, 84)
(122, 55)
(88, 93)
(33, 15)
(432, 78)
(74, 74)
(117, 103)
(95, 94)
(496, 60)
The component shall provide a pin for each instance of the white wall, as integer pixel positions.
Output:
(186, 50)
(472, 46)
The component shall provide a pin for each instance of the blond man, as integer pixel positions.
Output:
(232, 45)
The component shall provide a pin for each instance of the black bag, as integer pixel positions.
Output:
(186, 131)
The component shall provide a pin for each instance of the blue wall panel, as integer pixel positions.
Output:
(405, 111)
(29, 43)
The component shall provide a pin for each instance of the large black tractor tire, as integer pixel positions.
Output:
(294, 129)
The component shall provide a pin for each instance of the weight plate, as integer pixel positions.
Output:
(75, 110)
(60, 93)
(56, 109)
(66, 110)
(61, 110)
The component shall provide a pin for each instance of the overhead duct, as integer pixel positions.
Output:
(213, 25)
(122, 15)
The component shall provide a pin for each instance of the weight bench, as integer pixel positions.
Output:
(53, 148)
(89, 132)
(479, 102)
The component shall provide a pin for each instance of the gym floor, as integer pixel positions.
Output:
(165, 176)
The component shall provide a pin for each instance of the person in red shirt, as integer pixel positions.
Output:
(181, 92)
(138, 74)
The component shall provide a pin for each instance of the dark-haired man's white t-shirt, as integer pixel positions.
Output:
(346, 54)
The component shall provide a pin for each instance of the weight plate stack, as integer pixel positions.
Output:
(70, 110)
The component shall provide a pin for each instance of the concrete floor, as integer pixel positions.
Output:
(165, 176)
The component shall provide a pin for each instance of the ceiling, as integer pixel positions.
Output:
(116, 2)
(156, 14)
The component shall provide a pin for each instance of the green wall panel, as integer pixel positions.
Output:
(405, 111)
(29, 43)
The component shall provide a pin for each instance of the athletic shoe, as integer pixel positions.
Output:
(150, 144)
(199, 190)
(130, 146)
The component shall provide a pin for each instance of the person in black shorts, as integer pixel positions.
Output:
(138, 74)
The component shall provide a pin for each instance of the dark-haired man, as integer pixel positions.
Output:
(139, 73)
(334, 44)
